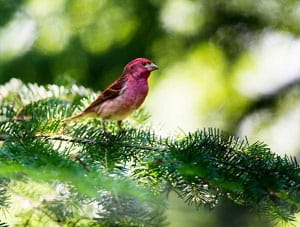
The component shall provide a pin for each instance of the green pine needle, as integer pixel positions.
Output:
(121, 176)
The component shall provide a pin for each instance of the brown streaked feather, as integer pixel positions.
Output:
(111, 92)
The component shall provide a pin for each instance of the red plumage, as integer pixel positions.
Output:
(124, 95)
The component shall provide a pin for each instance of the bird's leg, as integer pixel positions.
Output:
(119, 124)
(104, 126)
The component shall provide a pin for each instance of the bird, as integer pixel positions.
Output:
(123, 96)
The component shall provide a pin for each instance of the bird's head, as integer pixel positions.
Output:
(140, 67)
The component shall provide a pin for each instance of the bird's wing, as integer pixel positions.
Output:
(111, 92)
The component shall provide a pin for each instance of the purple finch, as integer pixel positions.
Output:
(124, 95)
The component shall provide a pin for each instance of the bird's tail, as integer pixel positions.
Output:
(69, 119)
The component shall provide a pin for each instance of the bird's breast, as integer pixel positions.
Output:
(136, 92)
(131, 97)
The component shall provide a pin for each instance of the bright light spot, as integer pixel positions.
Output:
(84, 14)
(22, 202)
(276, 63)
(282, 134)
(189, 92)
(182, 16)
(53, 35)
(53, 29)
(111, 30)
(44, 8)
(17, 37)
(173, 103)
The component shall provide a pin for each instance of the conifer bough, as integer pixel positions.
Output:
(203, 167)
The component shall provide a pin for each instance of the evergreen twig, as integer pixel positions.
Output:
(202, 168)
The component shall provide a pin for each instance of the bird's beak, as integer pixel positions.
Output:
(152, 67)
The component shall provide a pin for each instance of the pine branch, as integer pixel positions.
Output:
(202, 167)
(232, 167)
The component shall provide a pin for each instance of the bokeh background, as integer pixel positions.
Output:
(231, 64)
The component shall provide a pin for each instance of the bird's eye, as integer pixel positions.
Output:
(144, 63)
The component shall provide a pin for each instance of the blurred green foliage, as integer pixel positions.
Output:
(232, 64)
(92, 40)
(89, 41)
